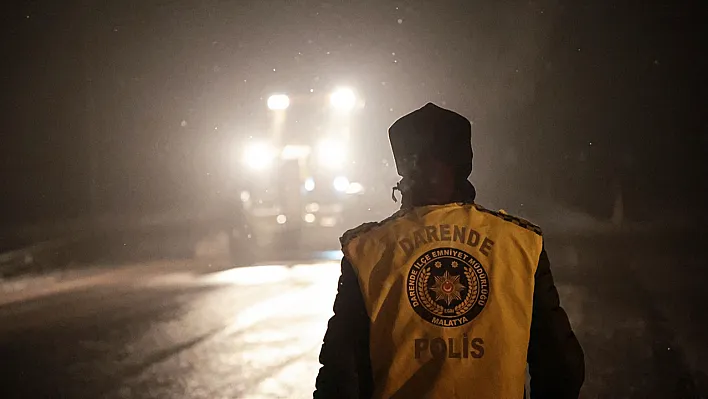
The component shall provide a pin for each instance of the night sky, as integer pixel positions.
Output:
(568, 100)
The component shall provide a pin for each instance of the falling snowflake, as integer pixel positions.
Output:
(438, 264)
(400, 21)
(183, 123)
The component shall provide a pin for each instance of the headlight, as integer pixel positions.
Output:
(343, 99)
(341, 184)
(309, 184)
(258, 155)
(278, 102)
(355, 188)
(331, 153)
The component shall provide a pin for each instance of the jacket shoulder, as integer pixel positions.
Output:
(357, 231)
(368, 227)
(511, 219)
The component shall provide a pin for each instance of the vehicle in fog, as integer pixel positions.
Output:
(297, 173)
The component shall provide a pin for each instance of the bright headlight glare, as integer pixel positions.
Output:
(309, 184)
(355, 188)
(341, 184)
(258, 155)
(343, 99)
(331, 153)
(278, 102)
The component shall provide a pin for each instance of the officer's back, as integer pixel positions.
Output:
(446, 298)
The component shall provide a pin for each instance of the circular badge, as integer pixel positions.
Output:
(447, 287)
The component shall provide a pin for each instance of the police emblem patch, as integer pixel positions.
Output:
(447, 287)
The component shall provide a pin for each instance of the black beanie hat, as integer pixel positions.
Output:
(435, 133)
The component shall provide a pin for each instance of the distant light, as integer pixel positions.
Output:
(278, 102)
(328, 221)
(343, 99)
(355, 188)
(312, 208)
(309, 184)
(310, 218)
(281, 219)
(331, 153)
(341, 184)
(258, 155)
(332, 255)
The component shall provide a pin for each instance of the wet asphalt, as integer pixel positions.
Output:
(638, 307)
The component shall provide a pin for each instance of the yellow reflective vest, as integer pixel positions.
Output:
(449, 294)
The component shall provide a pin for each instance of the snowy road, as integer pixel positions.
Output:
(255, 332)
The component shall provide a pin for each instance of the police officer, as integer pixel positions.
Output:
(446, 299)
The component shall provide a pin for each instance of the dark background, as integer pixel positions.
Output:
(571, 102)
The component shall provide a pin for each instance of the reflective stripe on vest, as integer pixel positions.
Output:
(449, 292)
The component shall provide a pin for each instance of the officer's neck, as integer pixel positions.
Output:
(465, 192)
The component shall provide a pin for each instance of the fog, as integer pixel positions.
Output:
(193, 137)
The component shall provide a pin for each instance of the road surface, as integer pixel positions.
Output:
(255, 332)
